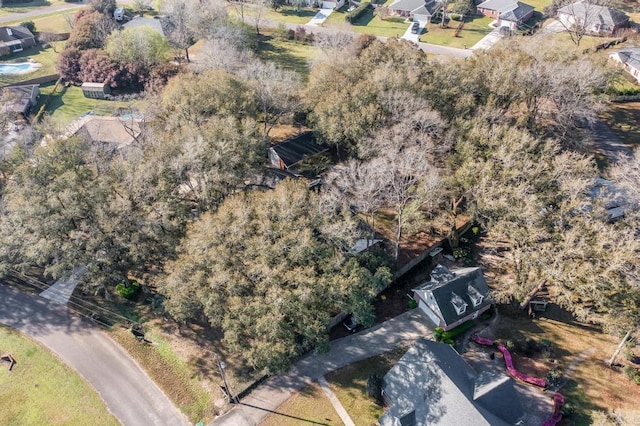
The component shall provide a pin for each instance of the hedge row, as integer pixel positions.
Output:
(357, 13)
(446, 336)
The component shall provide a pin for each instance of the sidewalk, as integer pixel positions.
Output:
(379, 339)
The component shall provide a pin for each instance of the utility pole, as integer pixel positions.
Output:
(222, 365)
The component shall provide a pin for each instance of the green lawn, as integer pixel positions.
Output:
(350, 386)
(54, 22)
(29, 7)
(46, 57)
(42, 391)
(369, 23)
(68, 104)
(539, 5)
(309, 406)
(287, 54)
(472, 32)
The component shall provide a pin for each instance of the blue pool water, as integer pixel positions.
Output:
(14, 68)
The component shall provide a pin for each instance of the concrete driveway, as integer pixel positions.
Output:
(488, 41)
(401, 330)
(128, 392)
(408, 35)
(320, 17)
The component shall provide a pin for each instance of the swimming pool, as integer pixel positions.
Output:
(17, 68)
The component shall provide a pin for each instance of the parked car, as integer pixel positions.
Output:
(415, 28)
(350, 324)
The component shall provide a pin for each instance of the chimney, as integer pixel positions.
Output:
(9, 32)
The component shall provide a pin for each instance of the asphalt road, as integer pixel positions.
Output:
(128, 392)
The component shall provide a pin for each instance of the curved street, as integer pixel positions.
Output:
(128, 392)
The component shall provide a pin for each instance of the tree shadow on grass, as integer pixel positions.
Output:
(365, 19)
(310, 13)
(270, 50)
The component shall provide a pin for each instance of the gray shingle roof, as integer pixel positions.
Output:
(297, 149)
(629, 56)
(14, 33)
(517, 14)
(419, 7)
(445, 285)
(434, 383)
(589, 12)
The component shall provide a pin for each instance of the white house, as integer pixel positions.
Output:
(629, 59)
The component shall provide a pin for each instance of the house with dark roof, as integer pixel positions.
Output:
(418, 10)
(595, 19)
(432, 385)
(629, 59)
(19, 99)
(292, 152)
(451, 298)
(507, 13)
(15, 39)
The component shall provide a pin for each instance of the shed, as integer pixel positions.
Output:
(293, 151)
(96, 90)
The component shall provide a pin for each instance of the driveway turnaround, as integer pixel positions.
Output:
(128, 392)
(266, 398)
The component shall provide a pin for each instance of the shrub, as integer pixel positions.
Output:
(568, 410)
(282, 32)
(374, 388)
(449, 341)
(461, 253)
(437, 334)
(128, 289)
(553, 377)
(628, 353)
(29, 25)
(456, 16)
(412, 304)
(632, 373)
(455, 332)
(357, 13)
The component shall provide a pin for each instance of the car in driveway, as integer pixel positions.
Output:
(415, 28)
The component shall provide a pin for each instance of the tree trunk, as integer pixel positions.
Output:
(186, 54)
(620, 346)
(531, 294)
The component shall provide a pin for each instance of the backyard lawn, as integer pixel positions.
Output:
(45, 57)
(40, 390)
(287, 54)
(592, 386)
(69, 104)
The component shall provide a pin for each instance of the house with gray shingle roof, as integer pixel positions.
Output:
(15, 39)
(593, 18)
(418, 10)
(507, 13)
(629, 59)
(432, 385)
(451, 298)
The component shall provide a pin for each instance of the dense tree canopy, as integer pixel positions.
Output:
(269, 268)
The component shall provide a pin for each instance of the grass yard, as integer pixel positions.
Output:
(68, 104)
(350, 386)
(372, 24)
(29, 7)
(592, 386)
(624, 120)
(562, 42)
(472, 32)
(55, 22)
(287, 54)
(308, 406)
(46, 57)
(42, 391)
(170, 373)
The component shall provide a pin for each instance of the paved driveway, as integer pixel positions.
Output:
(128, 392)
(408, 35)
(488, 41)
(320, 17)
(403, 329)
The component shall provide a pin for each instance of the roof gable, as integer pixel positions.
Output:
(433, 381)
(15, 33)
(420, 7)
(451, 290)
